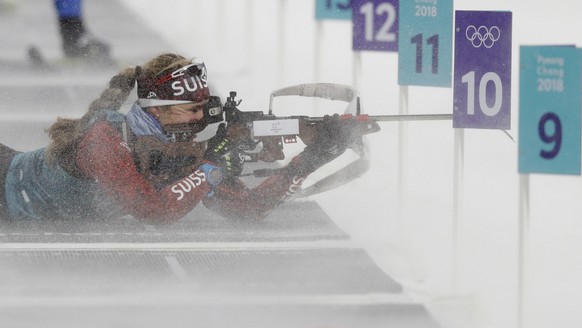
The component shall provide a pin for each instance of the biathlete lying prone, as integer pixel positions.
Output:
(107, 164)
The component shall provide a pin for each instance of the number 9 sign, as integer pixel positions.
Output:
(375, 25)
(482, 79)
(549, 110)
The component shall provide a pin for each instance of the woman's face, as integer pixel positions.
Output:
(182, 114)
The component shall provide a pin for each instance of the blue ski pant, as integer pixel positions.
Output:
(68, 8)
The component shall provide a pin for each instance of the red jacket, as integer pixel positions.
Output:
(104, 157)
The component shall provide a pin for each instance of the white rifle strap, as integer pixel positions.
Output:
(329, 91)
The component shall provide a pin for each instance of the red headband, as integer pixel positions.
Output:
(183, 85)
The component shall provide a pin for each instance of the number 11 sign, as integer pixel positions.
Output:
(482, 79)
(425, 43)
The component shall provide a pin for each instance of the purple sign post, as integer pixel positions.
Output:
(482, 79)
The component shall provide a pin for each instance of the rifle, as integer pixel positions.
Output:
(252, 130)
(271, 132)
(261, 136)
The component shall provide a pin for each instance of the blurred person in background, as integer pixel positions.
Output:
(107, 164)
(77, 41)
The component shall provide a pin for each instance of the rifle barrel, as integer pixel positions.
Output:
(418, 117)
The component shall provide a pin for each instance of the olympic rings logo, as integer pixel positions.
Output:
(482, 36)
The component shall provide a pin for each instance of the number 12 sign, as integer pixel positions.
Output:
(375, 25)
(549, 109)
(482, 79)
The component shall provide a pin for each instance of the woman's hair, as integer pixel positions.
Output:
(66, 133)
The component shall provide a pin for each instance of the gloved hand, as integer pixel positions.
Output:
(213, 174)
(333, 137)
(224, 153)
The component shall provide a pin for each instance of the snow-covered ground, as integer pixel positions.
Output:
(404, 215)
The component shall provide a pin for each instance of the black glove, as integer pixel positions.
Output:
(333, 137)
(224, 153)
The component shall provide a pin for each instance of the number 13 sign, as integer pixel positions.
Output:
(482, 80)
(333, 9)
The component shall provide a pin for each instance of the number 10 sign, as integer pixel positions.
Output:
(482, 80)
(549, 109)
